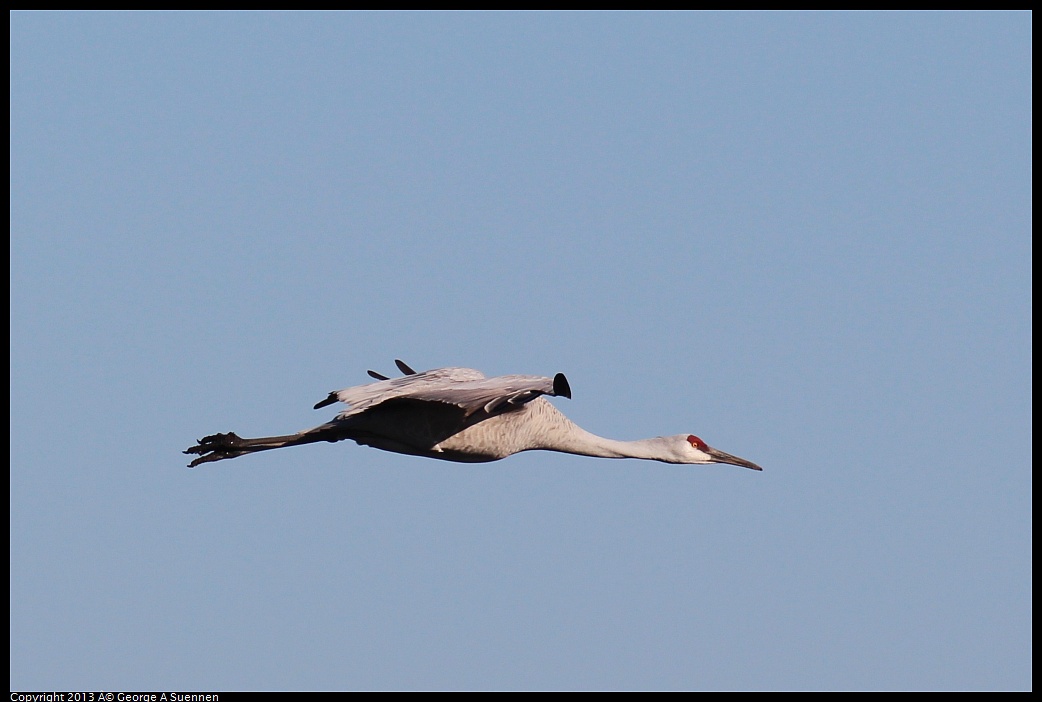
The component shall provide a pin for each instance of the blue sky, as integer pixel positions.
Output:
(804, 237)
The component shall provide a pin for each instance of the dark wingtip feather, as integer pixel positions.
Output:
(403, 367)
(561, 387)
(328, 401)
(378, 376)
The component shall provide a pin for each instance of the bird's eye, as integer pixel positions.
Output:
(697, 443)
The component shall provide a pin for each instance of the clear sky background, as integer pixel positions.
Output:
(804, 237)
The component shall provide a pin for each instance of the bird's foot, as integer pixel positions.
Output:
(216, 447)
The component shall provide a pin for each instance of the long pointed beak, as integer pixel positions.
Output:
(721, 457)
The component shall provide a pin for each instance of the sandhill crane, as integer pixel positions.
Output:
(457, 414)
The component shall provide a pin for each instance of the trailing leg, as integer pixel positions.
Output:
(218, 447)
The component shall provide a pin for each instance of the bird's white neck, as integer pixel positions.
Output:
(561, 434)
(543, 427)
(584, 443)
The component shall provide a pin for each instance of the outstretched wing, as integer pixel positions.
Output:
(464, 388)
(492, 395)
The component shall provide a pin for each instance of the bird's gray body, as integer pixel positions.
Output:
(454, 414)
(435, 432)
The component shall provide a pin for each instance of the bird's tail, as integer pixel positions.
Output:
(218, 447)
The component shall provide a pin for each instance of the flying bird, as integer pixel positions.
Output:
(457, 414)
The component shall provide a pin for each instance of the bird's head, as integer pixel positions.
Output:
(688, 448)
